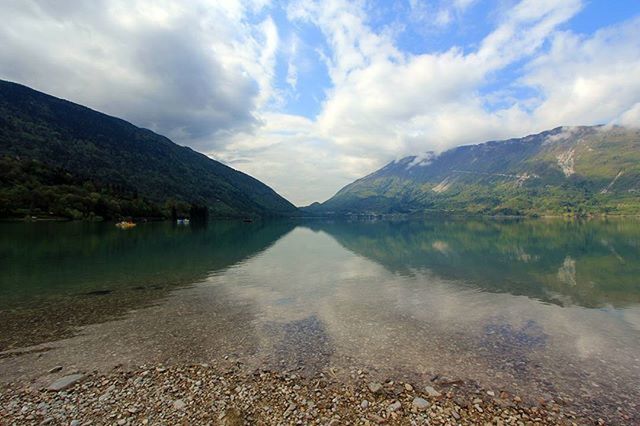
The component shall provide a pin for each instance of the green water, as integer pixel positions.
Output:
(43, 260)
(57, 276)
(537, 306)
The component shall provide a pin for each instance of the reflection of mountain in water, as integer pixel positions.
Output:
(58, 276)
(591, 264)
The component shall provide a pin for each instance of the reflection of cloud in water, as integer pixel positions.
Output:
(442, 247)
(421, 323)
(567, 272)
(521, 255)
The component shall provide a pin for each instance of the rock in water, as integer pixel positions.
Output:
(420, 404)
(179, 404)
(431, 392)
(65, 382)
(233, 417)
(290, 409)
(394, 407)
(375, 387)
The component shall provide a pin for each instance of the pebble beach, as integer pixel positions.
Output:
(209, 394)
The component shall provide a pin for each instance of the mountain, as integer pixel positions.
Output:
(567, 170)
(63, 159)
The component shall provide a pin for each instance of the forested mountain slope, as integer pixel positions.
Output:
(62, 159)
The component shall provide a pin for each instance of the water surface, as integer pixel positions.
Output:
(545, 309)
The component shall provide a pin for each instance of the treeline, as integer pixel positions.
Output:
(32, 189)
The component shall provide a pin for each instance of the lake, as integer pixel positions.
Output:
(547, 309)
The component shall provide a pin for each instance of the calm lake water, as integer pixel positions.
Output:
(546, 309)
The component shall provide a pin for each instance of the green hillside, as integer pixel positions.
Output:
(62, 159)
(578, 170)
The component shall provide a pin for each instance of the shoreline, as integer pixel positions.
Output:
(343, 216)
(228, 395)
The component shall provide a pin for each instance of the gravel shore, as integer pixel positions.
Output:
(206, 394)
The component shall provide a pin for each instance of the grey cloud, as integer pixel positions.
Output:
(165, 77)
(198, 96)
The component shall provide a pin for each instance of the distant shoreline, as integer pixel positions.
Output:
(398, 216)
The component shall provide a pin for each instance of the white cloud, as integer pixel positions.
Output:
(292, 63)
(629, 118)
(204, 73)
(438, 14)
(386, 103)
(588, 80)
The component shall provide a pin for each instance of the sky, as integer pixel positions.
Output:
(308, 96)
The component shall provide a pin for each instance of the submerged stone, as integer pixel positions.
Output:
(395, 406)
(432, 392)
(233, 417)
(65, 382)
(420, 404)
(374, 387)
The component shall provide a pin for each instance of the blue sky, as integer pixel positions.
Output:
(464, 28)
(309, 95)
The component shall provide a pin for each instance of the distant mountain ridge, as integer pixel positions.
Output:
(64, 159)
(567, 170)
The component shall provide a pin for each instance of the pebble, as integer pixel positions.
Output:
(375, 387)
(233, 398)
(233, 417)
(55, 369)
(290, 409)
(432, 392)
(408, 387)
(420, 404)
(65, 382)
(394, 406)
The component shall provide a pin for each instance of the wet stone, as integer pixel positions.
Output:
(65, 382)
(420, 404)
(432, 392)
(233, 417)
(394, 406)
(375, 387)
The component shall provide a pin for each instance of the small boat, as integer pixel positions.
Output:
(125, 224)
(182, 221)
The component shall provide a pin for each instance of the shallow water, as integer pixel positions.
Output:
(545, 309)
